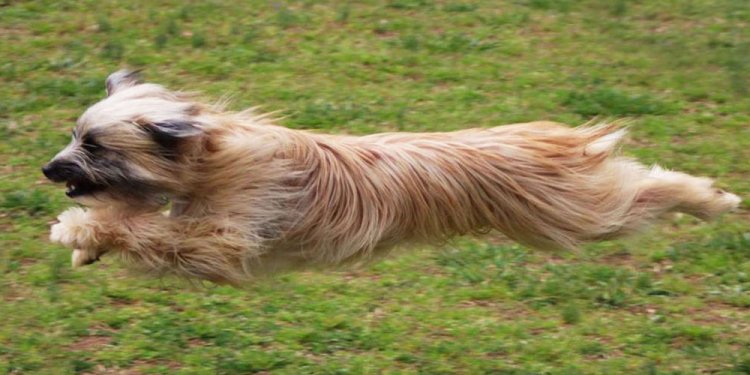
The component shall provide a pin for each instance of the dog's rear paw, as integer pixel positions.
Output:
(81, 258)
(731, 202)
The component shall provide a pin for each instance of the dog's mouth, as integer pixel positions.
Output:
(77, 188)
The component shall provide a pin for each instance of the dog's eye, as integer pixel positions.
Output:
(90, 145)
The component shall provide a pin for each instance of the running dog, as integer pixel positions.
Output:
(247, 197)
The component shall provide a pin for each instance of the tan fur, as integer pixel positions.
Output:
(251, 198)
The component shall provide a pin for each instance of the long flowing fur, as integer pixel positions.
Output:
(250, 197)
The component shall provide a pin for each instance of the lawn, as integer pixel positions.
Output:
(675, 300)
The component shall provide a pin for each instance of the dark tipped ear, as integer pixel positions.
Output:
(122, 79)
(170, 133)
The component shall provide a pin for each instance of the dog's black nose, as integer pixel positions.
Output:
(47, 169)
(59, 171)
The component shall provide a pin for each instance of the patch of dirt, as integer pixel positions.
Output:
(498, 239)
(720, 314)
(137, 369)
(359, 275)
(197, 343)
(643, 309)
(101, 327)
(694, 278)
(26, 262)
(5, 227)
(172, 365)
(90, 342)
(11, 294)
(101, 370)
(119, 301)
(620, 258)
(664, 266)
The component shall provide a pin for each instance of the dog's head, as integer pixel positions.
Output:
(129, 147)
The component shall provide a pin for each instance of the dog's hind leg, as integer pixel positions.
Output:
(605, 196)
(679, 192)
(661, 192)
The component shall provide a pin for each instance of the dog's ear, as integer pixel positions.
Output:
(122, 79)
(169, 133)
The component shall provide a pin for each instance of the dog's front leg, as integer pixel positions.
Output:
(196, 248)
(80, 230)
(93, 232)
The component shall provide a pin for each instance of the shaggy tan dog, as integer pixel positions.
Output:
(249, 197)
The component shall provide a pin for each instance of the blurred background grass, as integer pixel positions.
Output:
(672, 301)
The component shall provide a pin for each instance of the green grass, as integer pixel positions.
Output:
(673, 301)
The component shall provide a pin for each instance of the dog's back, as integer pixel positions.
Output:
(542, 184)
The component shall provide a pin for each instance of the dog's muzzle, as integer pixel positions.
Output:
(61, 171)
(74, 177)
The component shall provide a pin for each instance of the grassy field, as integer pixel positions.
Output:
(674, 301)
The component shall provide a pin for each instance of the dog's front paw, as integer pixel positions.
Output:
(74, 229)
